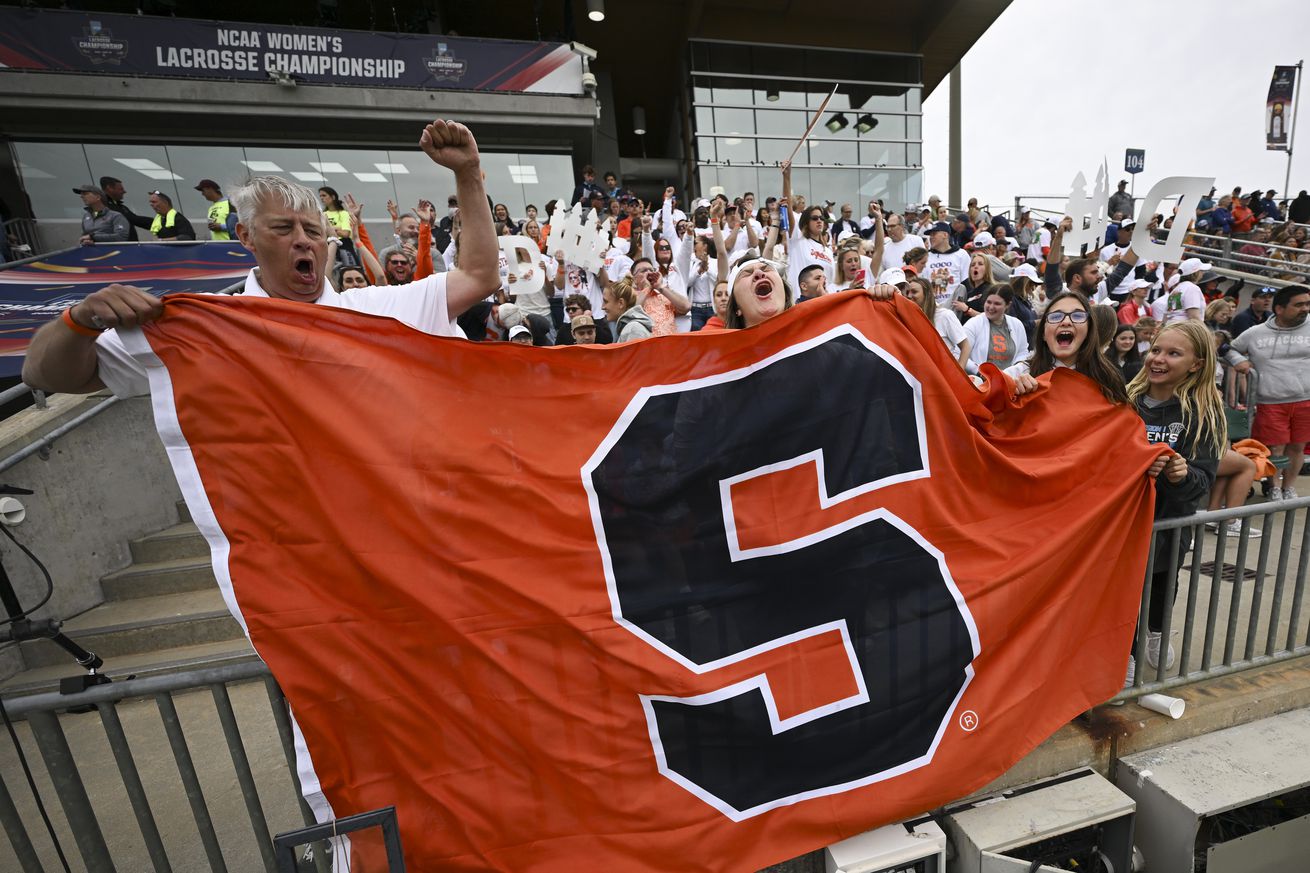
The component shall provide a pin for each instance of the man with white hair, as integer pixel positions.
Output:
(282, 224)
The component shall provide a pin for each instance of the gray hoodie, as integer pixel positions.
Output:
(1281, 355)
(633, 325)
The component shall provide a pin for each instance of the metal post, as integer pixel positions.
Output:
(282, 719)
(81, 815)
(245, 778)
(18, 838)
(136, 792)
(955, 185)
(1291, 134)
(191, 782)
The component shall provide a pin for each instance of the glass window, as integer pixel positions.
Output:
(50, 171)
(221, 164)
(142, 168)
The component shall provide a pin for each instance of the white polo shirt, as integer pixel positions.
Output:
(421, 305)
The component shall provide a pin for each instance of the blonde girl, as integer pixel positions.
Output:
(1175, 395)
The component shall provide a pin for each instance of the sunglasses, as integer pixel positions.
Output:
(1078, 316)
(572, 308)
(397, 263)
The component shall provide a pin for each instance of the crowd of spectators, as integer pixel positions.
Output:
(1005, 300)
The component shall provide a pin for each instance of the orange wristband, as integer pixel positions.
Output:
(75, 327)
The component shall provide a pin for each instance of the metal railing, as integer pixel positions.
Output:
(1258, 620)
(23, 238)
(84, 820)
(1277, 262)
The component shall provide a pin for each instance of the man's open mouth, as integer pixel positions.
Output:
(305, 268)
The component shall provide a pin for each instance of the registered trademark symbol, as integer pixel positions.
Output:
(969, 720)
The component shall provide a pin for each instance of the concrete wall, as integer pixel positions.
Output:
(103, 484)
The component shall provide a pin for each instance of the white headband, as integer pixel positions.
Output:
(732, 276)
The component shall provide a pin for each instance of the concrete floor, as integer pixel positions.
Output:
(1095, 741)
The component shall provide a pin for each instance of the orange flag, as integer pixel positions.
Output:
(699, 602)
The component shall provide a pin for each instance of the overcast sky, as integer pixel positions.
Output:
(1056, 85)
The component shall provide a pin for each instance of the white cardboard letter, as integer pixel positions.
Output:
(511, 246)
(1093, 208)
(1191, 189)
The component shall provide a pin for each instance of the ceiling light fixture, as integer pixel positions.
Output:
(771, 95)
(639, 121)
(837, 123)
(262, 166)
(866, 123)
(329, 167)
(596, 10)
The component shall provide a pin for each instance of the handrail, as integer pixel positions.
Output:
(146, 687)
(64, 429)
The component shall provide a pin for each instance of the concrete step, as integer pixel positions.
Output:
(140, 666)
(142, 624)
(179, 541)
(159, 577)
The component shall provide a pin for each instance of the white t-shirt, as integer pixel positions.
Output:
(802, 252)
(529, 290)
(1040, 242)
(617, 263)
(1111, 250)
(1173, 306)
(893, 253)
(949, 329)
(956, 262)
(742, 242)
(421, 305)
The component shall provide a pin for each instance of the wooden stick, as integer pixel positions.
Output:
(810, 129)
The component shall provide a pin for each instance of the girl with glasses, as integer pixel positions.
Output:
(1069, 338)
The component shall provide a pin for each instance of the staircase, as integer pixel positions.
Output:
(162, 614)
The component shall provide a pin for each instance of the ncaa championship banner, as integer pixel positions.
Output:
(148, 45)
(703, 602)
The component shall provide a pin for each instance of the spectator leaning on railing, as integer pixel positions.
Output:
(1279, 350)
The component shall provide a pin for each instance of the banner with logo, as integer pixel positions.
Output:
(1278, 108)
(35, 292)
(147, 45)
(707, 601)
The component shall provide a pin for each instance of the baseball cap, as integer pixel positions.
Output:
(509, 315)
(1134, 284)
(1207, 276)
(1127, 222)
(894, 276)
(964, 219)
(89, 189)
(207, 183)
(702, 203)
(845, 235)
(1264, 291)
(519, 330)
(582, 319)
(1052, 220)
(1027, 271)
(1191, 266)
(940, 227)
(983, 238)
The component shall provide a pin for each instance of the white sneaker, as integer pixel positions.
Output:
(1212, 525)
(1289, 493)
(1274, 493)
(1128, 679)
(1153, 651)
(1234, 529)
